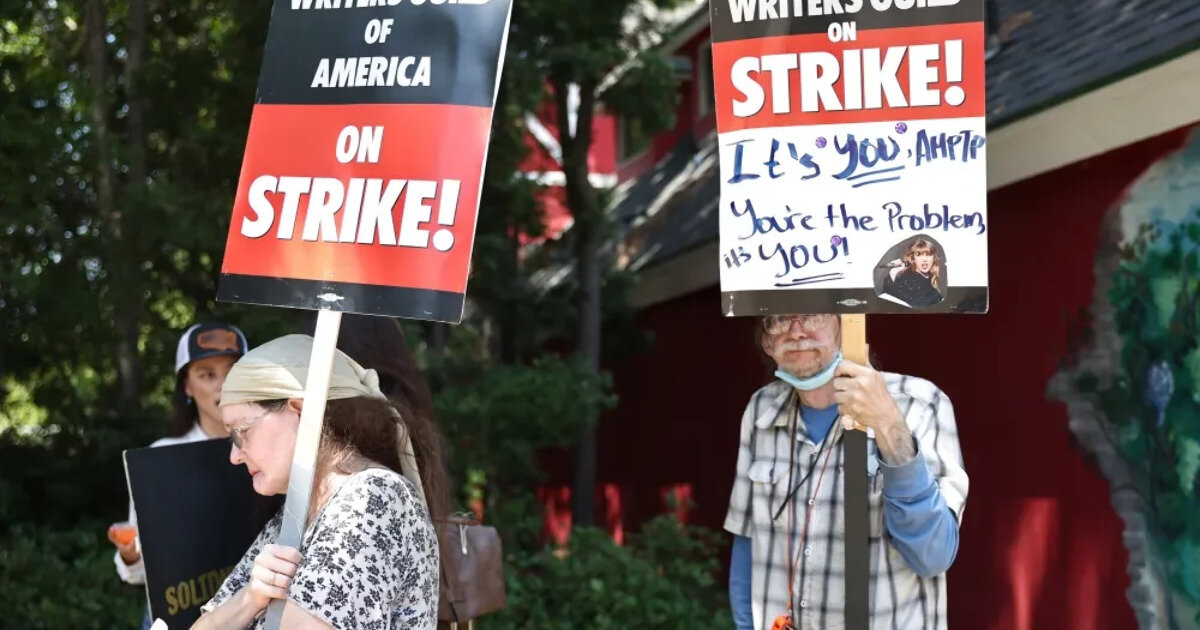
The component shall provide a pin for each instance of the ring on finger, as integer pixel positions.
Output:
(275, 579)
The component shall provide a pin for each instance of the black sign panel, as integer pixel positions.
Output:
(197, 514)
(444, 54)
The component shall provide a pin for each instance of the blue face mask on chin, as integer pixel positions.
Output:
(812, 382)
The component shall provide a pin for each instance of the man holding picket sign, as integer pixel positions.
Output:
(786, 508)
(359, 193)
(849, 131)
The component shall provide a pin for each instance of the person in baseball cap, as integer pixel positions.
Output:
(203, 357)
(209, 340)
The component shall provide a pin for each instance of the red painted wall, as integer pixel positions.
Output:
(1041, 546)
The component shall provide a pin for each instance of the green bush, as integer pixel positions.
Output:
(73, 476)
(500, 420)
(64, 579)
(665, 578)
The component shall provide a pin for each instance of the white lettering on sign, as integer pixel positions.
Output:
(298, 5)
(752, 10)
(372, 72)
(361, 144)
(359, 211)
(869, 79)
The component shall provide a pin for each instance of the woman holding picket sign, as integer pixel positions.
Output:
(369, 556)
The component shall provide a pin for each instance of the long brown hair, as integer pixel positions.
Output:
(367, 425)
(924, 247)
(378, 343)
(184, 414)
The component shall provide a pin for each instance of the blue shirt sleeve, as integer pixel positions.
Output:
(739, 584)
(922, 527)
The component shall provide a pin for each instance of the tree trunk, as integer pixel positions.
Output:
(437, 337)
(588, 226)
(125, 301)
(136, 120)
(513, 294)
(583, 494)
(96, 55)
(130, 301)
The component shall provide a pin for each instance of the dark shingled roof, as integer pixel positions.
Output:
(1058, 49)
(1051, 51)
(664, 223)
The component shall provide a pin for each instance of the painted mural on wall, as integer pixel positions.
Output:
(1133, 387)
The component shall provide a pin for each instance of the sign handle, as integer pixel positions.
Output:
(312, 417)
(857, 509)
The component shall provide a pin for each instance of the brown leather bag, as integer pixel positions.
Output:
(472, 581)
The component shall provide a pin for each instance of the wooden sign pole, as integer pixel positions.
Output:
(312, 417)
(857, 510)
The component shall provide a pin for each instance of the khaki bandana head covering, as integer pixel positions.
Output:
(278, 370)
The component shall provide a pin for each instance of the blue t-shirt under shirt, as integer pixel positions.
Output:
(818, 422)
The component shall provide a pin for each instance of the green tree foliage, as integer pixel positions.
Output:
(67, 284)
(499, 423)
(1154, 404)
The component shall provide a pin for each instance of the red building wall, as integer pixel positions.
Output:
(1041, 546)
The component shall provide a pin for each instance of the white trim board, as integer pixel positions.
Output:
(690, 271)
(1141, 106)
(558, 178)
(1138, 107)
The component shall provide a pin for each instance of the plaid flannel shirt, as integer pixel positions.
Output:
(900, 599)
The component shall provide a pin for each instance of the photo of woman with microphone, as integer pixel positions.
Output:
(917, 279)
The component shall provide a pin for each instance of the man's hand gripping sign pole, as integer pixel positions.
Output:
(852, 146)
(360, 185)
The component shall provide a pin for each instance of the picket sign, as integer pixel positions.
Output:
(364, 161)
(312, 418)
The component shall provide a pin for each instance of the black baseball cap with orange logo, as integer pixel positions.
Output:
(209, 340)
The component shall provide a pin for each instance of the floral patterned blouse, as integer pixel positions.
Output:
(370, 558)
